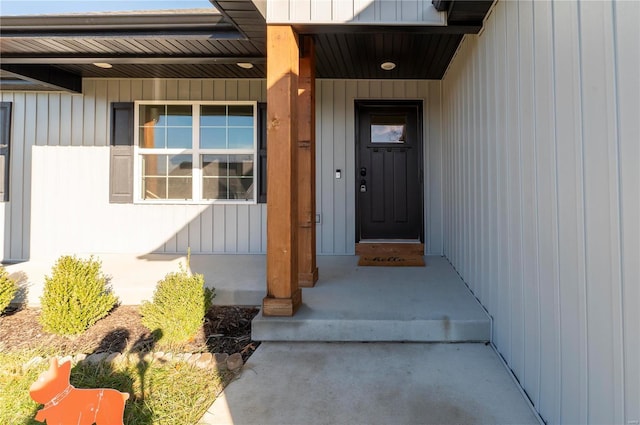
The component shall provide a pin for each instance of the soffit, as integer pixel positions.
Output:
(208, 43)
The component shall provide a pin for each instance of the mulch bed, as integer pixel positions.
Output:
(226, 329)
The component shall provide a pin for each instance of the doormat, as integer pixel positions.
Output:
(391, 260)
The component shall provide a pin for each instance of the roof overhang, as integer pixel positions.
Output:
(58, 51)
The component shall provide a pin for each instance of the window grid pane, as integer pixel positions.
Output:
(227, 176)
(167, 176)
(165, 126)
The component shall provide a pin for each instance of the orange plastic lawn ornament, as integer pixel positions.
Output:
(64, 404)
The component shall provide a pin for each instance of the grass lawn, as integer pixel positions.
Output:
(172, 392)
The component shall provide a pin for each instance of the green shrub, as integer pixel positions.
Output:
(180, 302)
(8, 289)
(75, 296)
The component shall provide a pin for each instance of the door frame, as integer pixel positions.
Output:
(382, 104)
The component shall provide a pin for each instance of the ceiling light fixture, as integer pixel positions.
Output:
(245, 65)
(388, 66)
(103, 65)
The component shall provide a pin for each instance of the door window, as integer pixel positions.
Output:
(388, 129)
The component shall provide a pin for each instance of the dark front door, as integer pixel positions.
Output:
(389, 170)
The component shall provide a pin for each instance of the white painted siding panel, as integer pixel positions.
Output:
(335, 149)
(16, 226)
(568, 133)
(626, 16)
(601, 216)
(391, 12)
(73, 205)
(515, 352)
(5, 220)
(547, 161)
(433, 172)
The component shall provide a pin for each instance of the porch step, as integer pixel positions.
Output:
(305, 327)
(390, 254)
(366, 304)
(376, 248)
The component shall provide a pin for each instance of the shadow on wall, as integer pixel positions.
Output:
(22, 296)
(218, 229)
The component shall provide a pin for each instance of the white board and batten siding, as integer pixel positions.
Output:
(60, 172)
(15, 213)
(542, 198)
(355, 12)
(60, 177)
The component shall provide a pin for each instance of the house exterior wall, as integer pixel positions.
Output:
(335, 137)
(15, 212)
(60, 172)
(542, 198)
(60, 178)
(358, 12)
(4, 246)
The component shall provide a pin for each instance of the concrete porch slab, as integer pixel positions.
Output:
(377, 383)
(351, 303)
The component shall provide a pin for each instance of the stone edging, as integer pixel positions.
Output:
(219, 361)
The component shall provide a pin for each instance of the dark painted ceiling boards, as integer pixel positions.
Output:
(208, 44)
(417, 56)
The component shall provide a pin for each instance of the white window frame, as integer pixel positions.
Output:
(195, 153)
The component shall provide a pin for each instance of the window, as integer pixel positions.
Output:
(388, 129)
(5, 138)
(196, 151)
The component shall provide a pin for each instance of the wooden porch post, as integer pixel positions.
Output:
(283, 294)
(308, 270)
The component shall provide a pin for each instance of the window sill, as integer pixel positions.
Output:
(179, 202)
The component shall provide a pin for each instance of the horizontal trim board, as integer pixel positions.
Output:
(162, 60)
(226, 32)
(382, 28)
(95, 22)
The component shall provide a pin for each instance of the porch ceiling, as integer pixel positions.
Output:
(207, 43)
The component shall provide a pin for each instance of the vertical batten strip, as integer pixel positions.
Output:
(626, 15)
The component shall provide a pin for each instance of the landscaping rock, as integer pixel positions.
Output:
(205, 360)
(220, 360)
(96, 358)
(234, 362)
(167, 357)
(113, 357)
(193, 359)
(80, 357)
(65, 359)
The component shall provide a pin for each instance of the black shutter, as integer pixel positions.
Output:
(5, 139)
(262, 153)
(121, 164)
